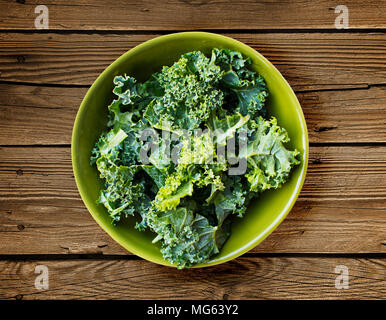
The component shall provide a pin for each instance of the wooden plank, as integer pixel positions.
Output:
(190, 14)
(38, 115)
(309, 61)
(334, 173)
(340, 210)
(65, 227)
(245, 278)
(345, 116)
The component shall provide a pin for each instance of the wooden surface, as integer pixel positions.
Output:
(190, 14)
(243, 278)
(344, 193)
(339, 77)
(309, 61)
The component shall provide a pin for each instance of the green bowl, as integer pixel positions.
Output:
(263, 215)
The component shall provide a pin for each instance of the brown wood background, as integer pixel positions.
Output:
(339, 219)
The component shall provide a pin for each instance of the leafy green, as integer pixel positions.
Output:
(269, 162)
(165, 158)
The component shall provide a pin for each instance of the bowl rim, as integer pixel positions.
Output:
(268, 230)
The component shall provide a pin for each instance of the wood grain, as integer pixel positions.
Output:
(339, 218)
(309, 61)
(243, 278)
(39, 115)
(345, 116)
(341, 208)
(190, 14)
(334, 173)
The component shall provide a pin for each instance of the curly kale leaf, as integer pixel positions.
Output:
(190, 92)
(269, 162)
(187, 238)
(124, 187)
(226, 128)
(249, 88)
(132, 93)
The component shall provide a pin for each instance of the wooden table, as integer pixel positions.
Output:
(339, 219)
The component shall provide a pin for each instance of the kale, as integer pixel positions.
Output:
(179, 183)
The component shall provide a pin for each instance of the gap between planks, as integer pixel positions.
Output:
(156, 32)
(250, 254)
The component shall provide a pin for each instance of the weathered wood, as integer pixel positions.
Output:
(44, 115)
(309, 61)
(334, 173)
(345, 116)
(37, 115)
(190, 14)
(341, 207)
(243, 278)
(65, 227)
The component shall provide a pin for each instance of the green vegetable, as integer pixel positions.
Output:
(173, 143)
